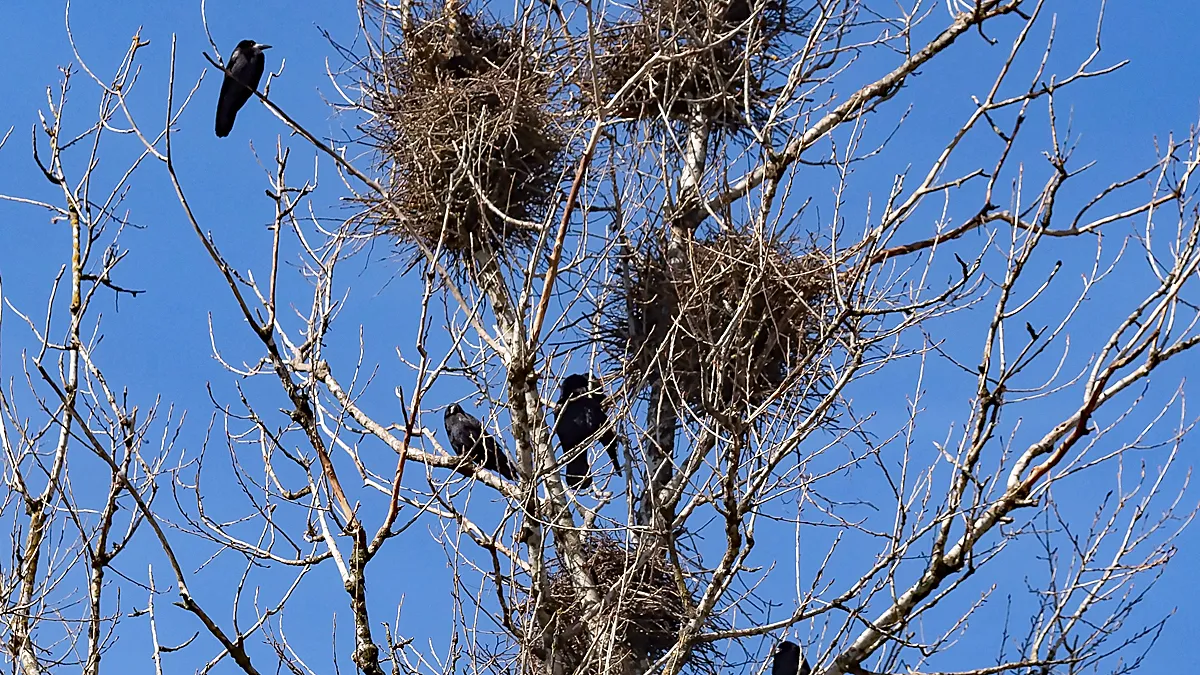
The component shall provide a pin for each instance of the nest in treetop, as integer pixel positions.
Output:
(643, 615)
(726, 321)
(466, 136)
(707, 58)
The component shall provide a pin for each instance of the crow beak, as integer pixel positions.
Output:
(263, 46)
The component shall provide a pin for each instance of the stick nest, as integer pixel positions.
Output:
(732, 320)
(466, 135)
(694, 59)
(644, 615)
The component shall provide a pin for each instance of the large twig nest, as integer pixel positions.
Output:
(694, 59)
(725, 321)
(466, 135)
(645, 604)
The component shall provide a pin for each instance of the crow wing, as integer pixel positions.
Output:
(494, 458)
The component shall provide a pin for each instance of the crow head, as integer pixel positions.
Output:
(576, 384)
(252, 46)
(788, 660)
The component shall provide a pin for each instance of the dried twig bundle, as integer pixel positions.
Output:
(693, 59)
(726, 320)
(645, 605)
(465, 133)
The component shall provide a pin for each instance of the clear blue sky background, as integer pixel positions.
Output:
(158, 343)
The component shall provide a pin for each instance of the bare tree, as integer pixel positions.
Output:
(680, 199)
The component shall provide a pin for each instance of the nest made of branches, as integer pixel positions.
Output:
(727, 321)
(694, 59)
(645, 602)
(466, 135)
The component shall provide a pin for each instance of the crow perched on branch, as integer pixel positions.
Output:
(468, 439)
(788, 661)
(580, 415)
(244, 70)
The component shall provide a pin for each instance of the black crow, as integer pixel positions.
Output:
(245, 69)
(468, 439)
(580, 415)
(787, 660)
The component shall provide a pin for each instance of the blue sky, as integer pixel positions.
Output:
(158, 344)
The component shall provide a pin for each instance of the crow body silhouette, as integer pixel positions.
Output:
(243, 72)
(468, 439)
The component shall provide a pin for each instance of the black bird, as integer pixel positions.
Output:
(580, 415)
(468, 439)
(245, 69)
(787, 660)
(737, 12)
